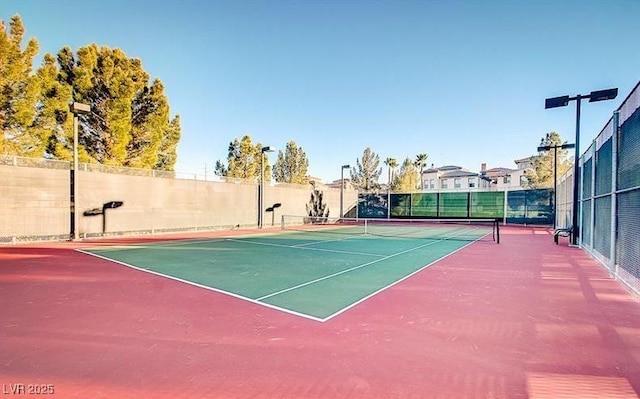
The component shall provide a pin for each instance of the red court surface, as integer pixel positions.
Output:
(523, 319)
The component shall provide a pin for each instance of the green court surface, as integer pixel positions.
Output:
(310, 274)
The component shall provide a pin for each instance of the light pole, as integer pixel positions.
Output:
(76, 109)
(342, 168)
(562, 101)
(555, 173)
(261, 185)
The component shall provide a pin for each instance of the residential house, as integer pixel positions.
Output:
(452, 178)
(507, 178)
(456, 178)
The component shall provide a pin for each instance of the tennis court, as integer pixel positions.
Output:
(312, 268)
(522, 319)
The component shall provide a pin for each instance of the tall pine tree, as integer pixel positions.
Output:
(291, 166)
(167, 154)
(150, 116)
(367, 171)
(108, 81)
(541, 176)
(129, 121)
(243, 160)
(52, 126)
(407, 178)
(18, 92)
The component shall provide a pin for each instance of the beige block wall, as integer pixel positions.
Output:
(157, 204)
(35, 203)
(294, 201)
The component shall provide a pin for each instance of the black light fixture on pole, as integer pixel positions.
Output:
(342, 168)
(261, 185)
(76, 109)
(555, 172)
(272, 209)
(554, 102)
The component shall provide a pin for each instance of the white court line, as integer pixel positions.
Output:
(398, 281)
(364, 265)
(153, 244)
(323, 241)
(346, 270)
(275, 307)
(268, 244)
(244, 298)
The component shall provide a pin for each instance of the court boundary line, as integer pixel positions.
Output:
(193, 283)
(397, 281)
(187, 241)
(329, 276)
(275, 307)
(136, 245)
(323, 241)
(303, 248)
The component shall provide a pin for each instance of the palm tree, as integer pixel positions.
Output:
(421, 162)
(392, 163)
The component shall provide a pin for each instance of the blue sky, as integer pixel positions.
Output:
(463, 81)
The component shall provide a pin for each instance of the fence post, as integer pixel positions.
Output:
(592, 222)
(614, 189)
(526, 208)
(468, 204)
(580, 180)
(505, 207)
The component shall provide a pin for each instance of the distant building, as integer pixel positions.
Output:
(454, 178)
(316, 181)
(336, 183)
(510, 179)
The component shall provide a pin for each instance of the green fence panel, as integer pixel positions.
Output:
(539, 205)
(400, 205)
(487, 204)
(530, 207)
(372, 205)
(424, 204)
(453, 205)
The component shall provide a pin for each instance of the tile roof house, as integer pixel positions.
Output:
(452, 177)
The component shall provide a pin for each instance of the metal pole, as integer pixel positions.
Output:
(74, 187)
(592, 194)
(576, 230)
(260, 188)
(341, 191)
(614, 189)
(389, 194)
(555, 185)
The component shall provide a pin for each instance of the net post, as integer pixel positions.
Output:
(281, 222)
(497, 229)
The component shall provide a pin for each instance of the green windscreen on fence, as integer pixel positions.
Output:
(372, 205)
(540, 207)
(453, 204)
(424, 204)
(400, 205)
(487, 204)
(530, 207)
(522, 206)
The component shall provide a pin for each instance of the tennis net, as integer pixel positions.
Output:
(469, 229)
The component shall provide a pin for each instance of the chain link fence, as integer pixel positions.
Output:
(609, 203)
